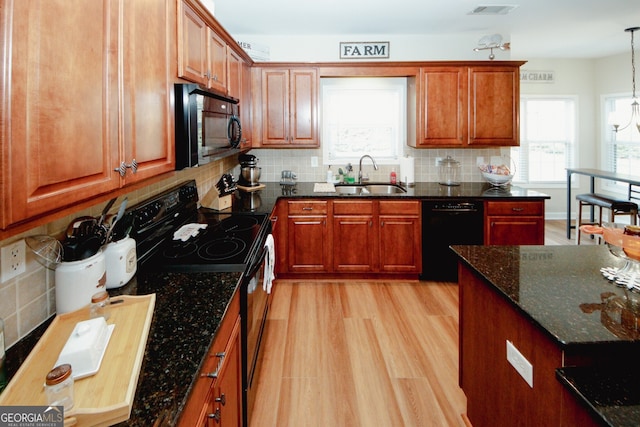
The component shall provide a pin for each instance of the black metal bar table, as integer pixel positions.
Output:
(593, 174)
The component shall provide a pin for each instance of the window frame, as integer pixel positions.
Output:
(570, 146)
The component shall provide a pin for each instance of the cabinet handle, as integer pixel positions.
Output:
(370, 224)
(215, 416)
(214, 374)
(222, 399)
(122, 169)
(517, 209)
(307, 208)
(381, 223)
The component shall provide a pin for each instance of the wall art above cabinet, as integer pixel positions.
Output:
(83, 107)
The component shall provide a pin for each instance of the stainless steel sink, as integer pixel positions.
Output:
(364, 189)
(384, 189)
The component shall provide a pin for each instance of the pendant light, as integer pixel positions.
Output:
(635, 107)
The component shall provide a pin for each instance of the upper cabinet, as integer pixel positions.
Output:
(77, 105)
(202, 55)
(464, 106)
(287, 114)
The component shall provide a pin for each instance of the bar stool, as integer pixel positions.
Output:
(615, 206)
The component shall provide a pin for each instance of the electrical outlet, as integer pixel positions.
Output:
(314, 161)
(438, 160)
(13, 260)
(520, 363)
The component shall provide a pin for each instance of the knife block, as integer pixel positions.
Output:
(213, 200)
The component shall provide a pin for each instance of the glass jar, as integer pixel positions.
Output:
(448, 170)
(100, 305)
(59, 387)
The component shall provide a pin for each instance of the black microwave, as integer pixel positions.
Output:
(207, 126)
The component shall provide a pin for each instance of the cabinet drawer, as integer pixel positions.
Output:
(308, 207)
(350, 207)
(394, 207)
(515, 208)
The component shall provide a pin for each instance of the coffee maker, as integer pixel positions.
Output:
(249, 171)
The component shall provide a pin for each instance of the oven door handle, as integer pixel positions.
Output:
(256, 265)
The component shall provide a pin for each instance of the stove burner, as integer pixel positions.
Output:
(238, 223)
(224, 248)
(179, 249)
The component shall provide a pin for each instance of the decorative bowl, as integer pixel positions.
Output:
(498, 173)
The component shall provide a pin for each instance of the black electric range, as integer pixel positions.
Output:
(220, 241)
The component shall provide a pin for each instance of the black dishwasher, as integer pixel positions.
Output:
(445, 223)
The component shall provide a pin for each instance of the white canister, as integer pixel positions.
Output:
(77, 281)
(122, 262)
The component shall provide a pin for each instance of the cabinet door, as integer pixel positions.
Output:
(148, 136)
(192, 43)
(442, 117)
(354, 248)
(217, 61)
(234, 74)
(514, 230)
(227, 395)
(400, 237)
(304, 107)
(308, 245)
(59, 109)
(275, 107)
(494, 104)
(246, 101)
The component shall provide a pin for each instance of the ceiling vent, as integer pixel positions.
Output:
(493, 9)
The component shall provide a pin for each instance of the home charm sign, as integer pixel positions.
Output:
(364, 50)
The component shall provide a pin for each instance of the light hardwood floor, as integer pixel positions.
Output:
(364, 353)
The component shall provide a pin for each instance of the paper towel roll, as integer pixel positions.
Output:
(407, 170)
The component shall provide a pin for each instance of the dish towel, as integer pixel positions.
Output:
(270, 263)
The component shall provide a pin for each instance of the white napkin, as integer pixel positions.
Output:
(270, 261)
(188, 231)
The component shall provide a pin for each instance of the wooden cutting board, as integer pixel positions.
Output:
(105, 398)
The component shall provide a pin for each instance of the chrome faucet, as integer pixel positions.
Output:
(375, 166)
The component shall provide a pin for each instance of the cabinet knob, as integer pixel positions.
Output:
(222, 399)
(215, 416)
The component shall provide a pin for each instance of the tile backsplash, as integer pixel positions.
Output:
(29, 299)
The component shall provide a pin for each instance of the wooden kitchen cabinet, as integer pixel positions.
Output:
(202, 53)
(83, 102)
(354, 236)
(442, 116)
(289, 107)
(400, 237)
(494, 105)
(468, 106)
(308, 236)
(351, 236)
(216, 397)
(514, 223)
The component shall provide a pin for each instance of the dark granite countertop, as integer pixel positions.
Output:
(561, 289)
(187, 314)
(611, 394)
(421, 190)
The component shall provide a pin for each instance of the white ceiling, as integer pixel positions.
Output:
(536, 28)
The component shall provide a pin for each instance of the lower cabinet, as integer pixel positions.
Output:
(216, 398)
(514, 223)
(307, 236)
(352, 236)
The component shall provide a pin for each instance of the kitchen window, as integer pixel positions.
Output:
(621, 150)
(363, 116)
(547, 140)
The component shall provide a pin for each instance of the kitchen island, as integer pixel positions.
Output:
(568, 330)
